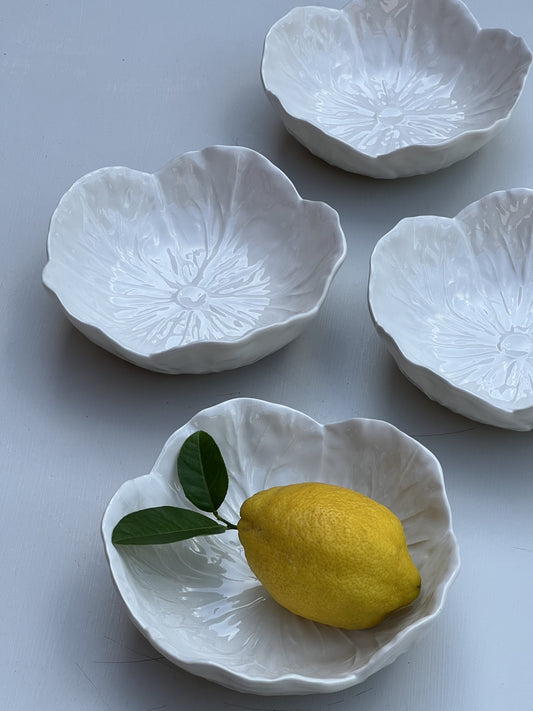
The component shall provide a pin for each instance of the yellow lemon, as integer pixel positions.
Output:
(328, 553)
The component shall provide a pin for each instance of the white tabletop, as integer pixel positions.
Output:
(129, 82)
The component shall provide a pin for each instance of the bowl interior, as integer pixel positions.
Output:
(198, 601)
(212, 247)
(381, 77)
(456, 295)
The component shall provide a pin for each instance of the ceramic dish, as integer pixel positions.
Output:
(453, 300)
(389, 89)
(211, 263)
(198, 602)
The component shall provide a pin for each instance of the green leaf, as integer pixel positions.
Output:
(162, 524)
(202, 472)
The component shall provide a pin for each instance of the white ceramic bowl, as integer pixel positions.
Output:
(453, 300)
(392, 89)
(198, 602)
(211, 263)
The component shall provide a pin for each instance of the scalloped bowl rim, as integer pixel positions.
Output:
(433, 147)
(451, 387)
(222, 343)
(417, 362)
(286, 683)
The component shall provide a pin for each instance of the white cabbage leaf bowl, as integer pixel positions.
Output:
(453, 301)
(391, 89)
(199, 604)
(211, 263)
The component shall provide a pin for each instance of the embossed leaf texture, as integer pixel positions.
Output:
(459, 296)
(215, 247)
(383, 76)
(200, 605)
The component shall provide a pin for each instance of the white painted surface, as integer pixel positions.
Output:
(134, 83)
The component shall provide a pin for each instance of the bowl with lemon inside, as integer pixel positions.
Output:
(276, 555)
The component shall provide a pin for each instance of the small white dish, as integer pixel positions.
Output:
(198, 602)
(209, 264)
(453, 301)
(391, 89)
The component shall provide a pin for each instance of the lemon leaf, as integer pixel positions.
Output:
(162, 524)
(202, 472)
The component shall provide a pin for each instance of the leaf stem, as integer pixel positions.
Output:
(230, 526)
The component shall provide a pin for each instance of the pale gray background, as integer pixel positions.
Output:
(90, 83)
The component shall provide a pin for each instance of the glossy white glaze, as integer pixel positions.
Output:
(453, 299)
(392, 89)
(211, 263)
(198, 602)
